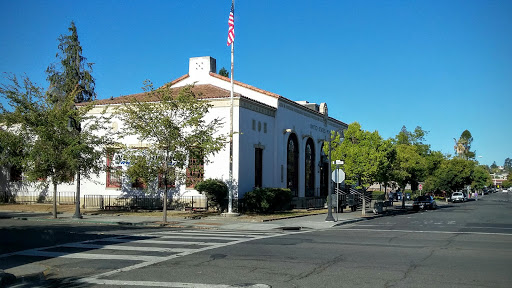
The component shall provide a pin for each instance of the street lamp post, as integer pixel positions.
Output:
(74, 125)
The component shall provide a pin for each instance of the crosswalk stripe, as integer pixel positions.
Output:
(126, 248)
(163, 242)
(238, 232)
(89, 256)
(193, 237)
(223, 235)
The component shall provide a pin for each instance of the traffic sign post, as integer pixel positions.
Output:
(337, 177)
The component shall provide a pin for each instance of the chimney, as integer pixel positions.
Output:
(200, 66)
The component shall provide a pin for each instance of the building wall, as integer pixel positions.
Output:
(260, 119)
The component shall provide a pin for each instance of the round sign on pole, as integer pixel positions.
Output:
(338, 176)
(420, 187)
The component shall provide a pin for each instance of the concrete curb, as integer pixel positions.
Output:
(28, 273)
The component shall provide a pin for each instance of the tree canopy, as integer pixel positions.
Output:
(174, 127)
(72, 74)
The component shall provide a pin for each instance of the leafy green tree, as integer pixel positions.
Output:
(385, 166)
(224, 72)
(434, 160)
(30, 113)
(454, 174)
(508, 182)
(12, 148)
(480, 178)
(51, 152)
(410, 166)
(363, 152)
(171, 122)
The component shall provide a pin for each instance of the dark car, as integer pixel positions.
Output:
(423, 203)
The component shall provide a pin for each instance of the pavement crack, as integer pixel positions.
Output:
(320, 268)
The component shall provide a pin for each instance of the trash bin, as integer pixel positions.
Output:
(378, 207)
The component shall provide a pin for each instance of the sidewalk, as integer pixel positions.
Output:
(196, 221)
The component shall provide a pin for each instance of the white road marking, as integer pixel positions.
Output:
(164, 284)
(170, 257)
(424, 231)
(145, 261)
(190, 236)
(93, 256)
(224, 234)
(150, 241)
(125, 247)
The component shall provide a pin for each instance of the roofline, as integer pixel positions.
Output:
(277, 96)
(246, 86)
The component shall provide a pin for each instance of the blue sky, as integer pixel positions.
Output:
(443, 65)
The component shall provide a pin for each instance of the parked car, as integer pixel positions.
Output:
(458, 197)
(423, 203)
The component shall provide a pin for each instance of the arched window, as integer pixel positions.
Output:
(309, 173)
(292, 161)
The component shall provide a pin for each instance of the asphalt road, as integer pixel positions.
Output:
(462, 245)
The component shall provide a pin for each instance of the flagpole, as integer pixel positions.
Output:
(230, 205)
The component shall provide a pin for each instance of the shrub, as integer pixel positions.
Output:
(215, 190)
(268, 200)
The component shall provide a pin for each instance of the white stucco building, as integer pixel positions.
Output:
(277, 141)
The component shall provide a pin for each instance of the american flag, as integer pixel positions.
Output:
(231, 22)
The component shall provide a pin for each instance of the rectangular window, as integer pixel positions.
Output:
(258, 167)
(253, 124)
(195, 168)
(114, 173)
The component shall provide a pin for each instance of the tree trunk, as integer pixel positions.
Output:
(403, 197)
(165, 200)
(54, 200)
(166, 173)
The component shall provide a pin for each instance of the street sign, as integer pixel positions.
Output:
(339, 176)
(420, 187)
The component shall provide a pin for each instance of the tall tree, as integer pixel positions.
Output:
(507, 165)
(463, 145)
(61, 140)
(72, 74)
(172, 124)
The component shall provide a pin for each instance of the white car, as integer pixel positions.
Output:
(458, 197)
